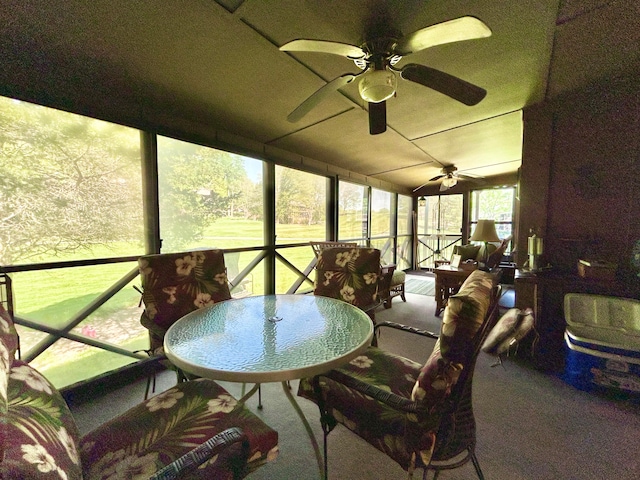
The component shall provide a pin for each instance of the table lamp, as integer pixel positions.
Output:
(485, 232)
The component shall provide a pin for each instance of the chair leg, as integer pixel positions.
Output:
(324, 452)
(151, 385)
(476, 464)
(404, 299)
(260, 397)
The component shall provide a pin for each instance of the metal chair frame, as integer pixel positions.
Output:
(461, 393)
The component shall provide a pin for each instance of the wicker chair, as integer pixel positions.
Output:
(420, 416)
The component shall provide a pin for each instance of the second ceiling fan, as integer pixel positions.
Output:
(377, 56)
(449, 177)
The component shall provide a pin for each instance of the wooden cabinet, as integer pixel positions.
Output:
(544, 292)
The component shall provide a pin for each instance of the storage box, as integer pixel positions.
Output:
(602, 341)
(597, 270)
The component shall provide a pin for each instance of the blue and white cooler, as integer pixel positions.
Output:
(603, 342)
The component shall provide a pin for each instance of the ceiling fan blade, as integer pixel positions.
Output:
(437, 177)
(470, 178)
(324, 46)
(377, 117)
(456, 30)
(444, 83)
(318, 96)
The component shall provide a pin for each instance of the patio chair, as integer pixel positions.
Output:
(392, 284)
(318, 247)
(195, 430)
(175, 284)
(391, 280)
(350, 274)
(420, 416)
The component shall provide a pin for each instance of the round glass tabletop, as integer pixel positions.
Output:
(268, 338)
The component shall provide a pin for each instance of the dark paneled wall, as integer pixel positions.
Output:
(580, 179)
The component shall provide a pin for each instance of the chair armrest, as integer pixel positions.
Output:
(397, 402)
(196, 457)
(386, 274)
(406, 328)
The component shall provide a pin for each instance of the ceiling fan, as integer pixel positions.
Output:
(450, 177)
(376, 57)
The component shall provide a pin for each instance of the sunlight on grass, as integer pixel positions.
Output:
(52, 297)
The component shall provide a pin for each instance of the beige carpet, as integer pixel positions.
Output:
(531, 426)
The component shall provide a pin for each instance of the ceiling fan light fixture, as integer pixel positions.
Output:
(377, 85)
(449, 182)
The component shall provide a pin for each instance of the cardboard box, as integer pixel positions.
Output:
(597, 270)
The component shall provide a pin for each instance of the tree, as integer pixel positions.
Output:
(300, 197)
(197, 185)
(68, 183)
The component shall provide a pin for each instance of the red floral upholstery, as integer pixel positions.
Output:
(349, 274)
(39, 438)
(398, 406)
(175, 284)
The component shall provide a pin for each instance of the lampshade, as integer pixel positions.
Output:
(422, 201)
(377, 85)
(485, 232)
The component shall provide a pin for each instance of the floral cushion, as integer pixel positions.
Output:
(39, 438)
(411, 438)
(40, 435)
(349, 274)
(510, 329)
(178, 283)
(462, 319)
(165, 427)
(380, 425)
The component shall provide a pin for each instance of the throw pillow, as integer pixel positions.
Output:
(509, 330)
(466, 252)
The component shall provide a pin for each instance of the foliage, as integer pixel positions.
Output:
(68, 182)
(197, 185)
(300, 197)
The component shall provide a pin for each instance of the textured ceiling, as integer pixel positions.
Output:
(203, 66)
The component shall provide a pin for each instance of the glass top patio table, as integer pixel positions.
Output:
(270, 338)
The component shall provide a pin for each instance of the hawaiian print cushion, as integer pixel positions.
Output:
(165, 427)
(178, 283)
(39, 434)
(349, 274)
(409, 439)
(385, 428)
(462, 319)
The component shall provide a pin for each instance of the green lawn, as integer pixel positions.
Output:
(52, 297)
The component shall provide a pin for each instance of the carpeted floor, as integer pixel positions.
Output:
(531, 425)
